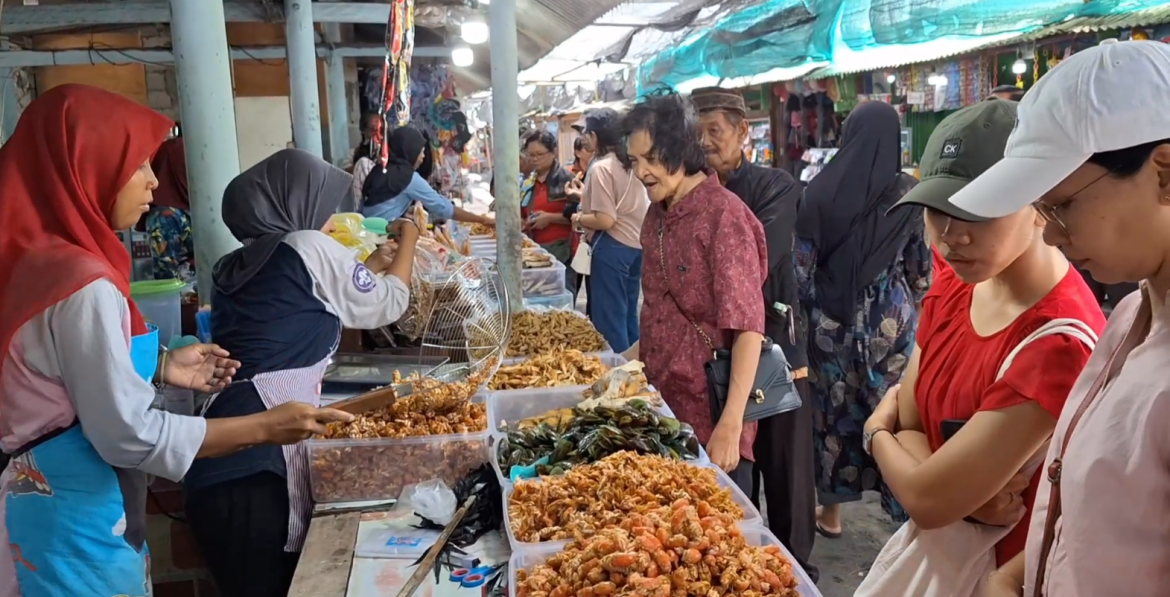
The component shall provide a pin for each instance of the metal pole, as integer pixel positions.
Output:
(302, 75)
(506, 144)
(203, 74)
(338, 109)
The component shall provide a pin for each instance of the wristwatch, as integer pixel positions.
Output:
(867, 438)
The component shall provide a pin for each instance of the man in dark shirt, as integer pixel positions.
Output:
(784, 444)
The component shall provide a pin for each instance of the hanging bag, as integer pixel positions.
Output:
(954, 561)
(773, 391)
(583, 259)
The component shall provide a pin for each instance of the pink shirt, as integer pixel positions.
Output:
(1114, 535)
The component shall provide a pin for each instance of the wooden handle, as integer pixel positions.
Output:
(424, 567)
(363, 403)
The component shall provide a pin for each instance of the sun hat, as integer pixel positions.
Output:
(1105, 98)
(963, 146)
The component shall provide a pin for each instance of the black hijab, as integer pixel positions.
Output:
(844, 210)
(290, 191)
(406, 143)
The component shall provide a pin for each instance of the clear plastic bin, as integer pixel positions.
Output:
(751, 516)
(508, 407)
(560, 301)
(544, 281)
(529, 558)
(348, 470)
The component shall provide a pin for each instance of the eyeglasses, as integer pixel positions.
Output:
(538, 156)
(1051, 213)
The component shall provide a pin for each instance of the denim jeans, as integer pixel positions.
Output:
(615, 279)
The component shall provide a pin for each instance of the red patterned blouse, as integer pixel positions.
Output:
(716, 260)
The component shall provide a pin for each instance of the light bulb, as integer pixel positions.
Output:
(941, 80)
(932, 79)
(474, 30)
(462, 56)
(891, 79)
(1019, 67)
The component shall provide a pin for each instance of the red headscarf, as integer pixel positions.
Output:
(73, 150)
(170, 166)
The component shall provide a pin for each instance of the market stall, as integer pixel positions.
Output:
(563, 472)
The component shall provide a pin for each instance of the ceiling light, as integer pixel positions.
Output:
(462, 56)
(1019, 67)
(474, 30)
(891, 79)
(940, 80)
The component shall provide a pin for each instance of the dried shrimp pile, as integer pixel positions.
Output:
(592, 497)
(541, 332)
(680, 549)
(434, 408)
(561, 368)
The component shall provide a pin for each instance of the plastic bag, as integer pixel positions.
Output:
(347, 230)
(397, 543)
(432, 500)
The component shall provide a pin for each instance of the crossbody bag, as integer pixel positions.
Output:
(773, 390)
(583, 259)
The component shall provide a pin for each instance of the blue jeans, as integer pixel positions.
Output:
(614, 282)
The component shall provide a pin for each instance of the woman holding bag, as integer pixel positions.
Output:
(1004, 332)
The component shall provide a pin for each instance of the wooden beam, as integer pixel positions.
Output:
(22, 19)
(31, 58)
(327, 558)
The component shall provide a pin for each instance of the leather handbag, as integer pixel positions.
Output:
(773, 390)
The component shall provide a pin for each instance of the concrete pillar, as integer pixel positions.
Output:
(506, 144)
(339, 149)
(204, 78)
(302, 74)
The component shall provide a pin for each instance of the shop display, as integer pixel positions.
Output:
(572, 437)
(685, 548)
(433, 408)
(620, 385)
(592, 497)
(536, 332)
(560, 368)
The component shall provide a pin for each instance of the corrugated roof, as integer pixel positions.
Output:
(846, 61)
(1138, 18)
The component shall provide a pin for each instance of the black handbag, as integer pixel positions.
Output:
(773, 391)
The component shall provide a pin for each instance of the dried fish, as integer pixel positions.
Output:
(536, 332)
(560, 368)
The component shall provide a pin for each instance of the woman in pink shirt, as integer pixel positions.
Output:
(1092, 151)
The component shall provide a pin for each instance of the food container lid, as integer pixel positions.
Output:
(375, 225)
(150, 288)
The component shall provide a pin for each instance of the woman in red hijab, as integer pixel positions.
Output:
(169, 220)
(77, 359)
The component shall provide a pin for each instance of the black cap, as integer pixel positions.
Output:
(597, 119)
(962, 146)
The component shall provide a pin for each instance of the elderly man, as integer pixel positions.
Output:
(1007, 92)
(784, 444)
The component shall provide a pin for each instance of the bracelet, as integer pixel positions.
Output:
(160, 374)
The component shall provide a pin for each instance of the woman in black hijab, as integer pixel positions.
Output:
(389, 192)
(281, 302)
(861, 274)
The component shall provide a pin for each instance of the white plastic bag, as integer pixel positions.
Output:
(433, 500)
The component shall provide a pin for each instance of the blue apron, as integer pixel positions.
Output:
(76, 525)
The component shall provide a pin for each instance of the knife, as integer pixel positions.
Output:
(374, 399)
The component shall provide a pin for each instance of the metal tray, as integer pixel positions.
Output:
(355, 373)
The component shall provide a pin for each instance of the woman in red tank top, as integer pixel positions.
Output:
(952, 439)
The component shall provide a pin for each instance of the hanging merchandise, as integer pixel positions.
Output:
(394, 107)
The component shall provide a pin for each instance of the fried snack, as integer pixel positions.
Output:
(560, 368)
(681, 549)
(541, 332)
(556, 419)
(533, 258)
(380, 470)
(482, 230)
(596, 496)
(620, 385)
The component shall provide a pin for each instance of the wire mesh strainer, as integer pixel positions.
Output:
(469, 324)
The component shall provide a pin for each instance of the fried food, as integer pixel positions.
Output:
(534, 258)
(620, 385)
(542, 332)
(433, 408)
(482, 230)
(596, 496)
(559, 368)
(686, 548)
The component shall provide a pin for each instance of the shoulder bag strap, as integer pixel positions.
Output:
(1068, 327)
(1054, 471)
(666, 280)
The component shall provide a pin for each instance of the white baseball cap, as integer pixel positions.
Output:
(1109, 97)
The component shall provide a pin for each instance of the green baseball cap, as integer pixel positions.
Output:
(962, 146)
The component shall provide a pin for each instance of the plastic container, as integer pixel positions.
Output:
(159, 302)
(544, 281)
(527, 559)
(559, 301)
(350, 470)
(751, 516)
